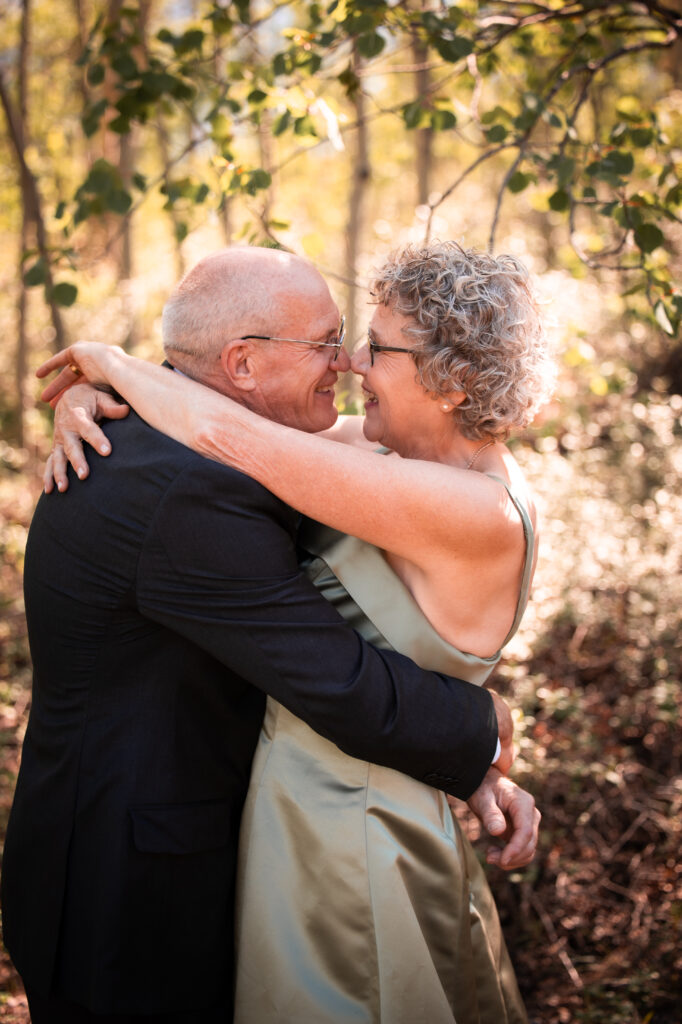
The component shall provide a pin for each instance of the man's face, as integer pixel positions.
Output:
(296, 382)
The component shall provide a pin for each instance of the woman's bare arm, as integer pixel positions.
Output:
(411, 508)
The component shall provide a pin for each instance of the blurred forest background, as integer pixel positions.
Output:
(136, 137)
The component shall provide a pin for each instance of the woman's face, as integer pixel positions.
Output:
(399, 413)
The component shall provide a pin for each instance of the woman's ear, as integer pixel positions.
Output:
(452, 400)
(239, 365)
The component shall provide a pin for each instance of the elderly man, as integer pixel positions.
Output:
(163, 602)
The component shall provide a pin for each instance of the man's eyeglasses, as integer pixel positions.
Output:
(373, 347)
(336, 345)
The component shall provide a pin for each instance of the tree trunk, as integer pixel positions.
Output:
(164, 147)
(424, 136)
(225, 210)
(32, 223)
(126, 163)
(21, 362)
(672, 58)
(358, 194)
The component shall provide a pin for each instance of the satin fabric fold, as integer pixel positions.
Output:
(359, 899)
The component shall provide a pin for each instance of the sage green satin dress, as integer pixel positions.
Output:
(359, 899)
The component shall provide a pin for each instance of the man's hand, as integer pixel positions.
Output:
(505, 732)
(508, 813)
(76, 416)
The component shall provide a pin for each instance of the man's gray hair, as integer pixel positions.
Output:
(218, 300)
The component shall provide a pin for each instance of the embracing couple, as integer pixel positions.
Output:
(155, 869)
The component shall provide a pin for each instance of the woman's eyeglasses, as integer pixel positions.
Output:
(373, 347)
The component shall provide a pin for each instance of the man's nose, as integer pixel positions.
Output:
(340, 362)
(360, 362)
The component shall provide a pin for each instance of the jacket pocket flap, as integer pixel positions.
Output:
(183, 828)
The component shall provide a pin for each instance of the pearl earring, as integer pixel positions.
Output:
(445, 407)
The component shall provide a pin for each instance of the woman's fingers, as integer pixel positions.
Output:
(62, 358)
(522, 845)
(62, 381)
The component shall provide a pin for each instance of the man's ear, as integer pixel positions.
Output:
(239, 365)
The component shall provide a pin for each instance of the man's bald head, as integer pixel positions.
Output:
(235, 292)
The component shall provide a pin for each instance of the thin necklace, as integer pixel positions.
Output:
(478, 451)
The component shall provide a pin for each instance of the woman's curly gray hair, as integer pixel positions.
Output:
(479, 329)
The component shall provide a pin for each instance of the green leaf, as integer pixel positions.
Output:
(498, 133)
(257, 96)
(190, 40)
(443, 120)
(60, 211)
(181, 230)
(220, 127)
(627, 215)
(559, 200)
(282, 64)
(519, 181)
(641, 137)
(495, 114)
(156, 83)
(119, 200)
(92, 117)
(662, 318)
(350, 81)
(305, 126)
(281, 123)
(64, 293)
(619, 132)
(674, 195)
(139, 181)
(629, 108)
(563, 167)
(370, 44)
(244, 12)
(648, 237)
(120, 125)
(412, 114)
(182, 90)
(619, 161)
(102, 177)
(36, 274)
(261, 178)
(454, 49)
(124, 66)
(95, 74)
(256, 180)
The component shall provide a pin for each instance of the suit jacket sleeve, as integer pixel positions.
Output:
(219, 567)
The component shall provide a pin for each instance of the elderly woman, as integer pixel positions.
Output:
(360, 900)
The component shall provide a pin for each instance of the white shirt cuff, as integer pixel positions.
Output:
(498, 751)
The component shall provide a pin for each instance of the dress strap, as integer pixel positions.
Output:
(529, 535)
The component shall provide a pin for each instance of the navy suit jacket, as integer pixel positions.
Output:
(164, 600)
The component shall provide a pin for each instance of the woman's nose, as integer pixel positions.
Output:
(360, 361)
